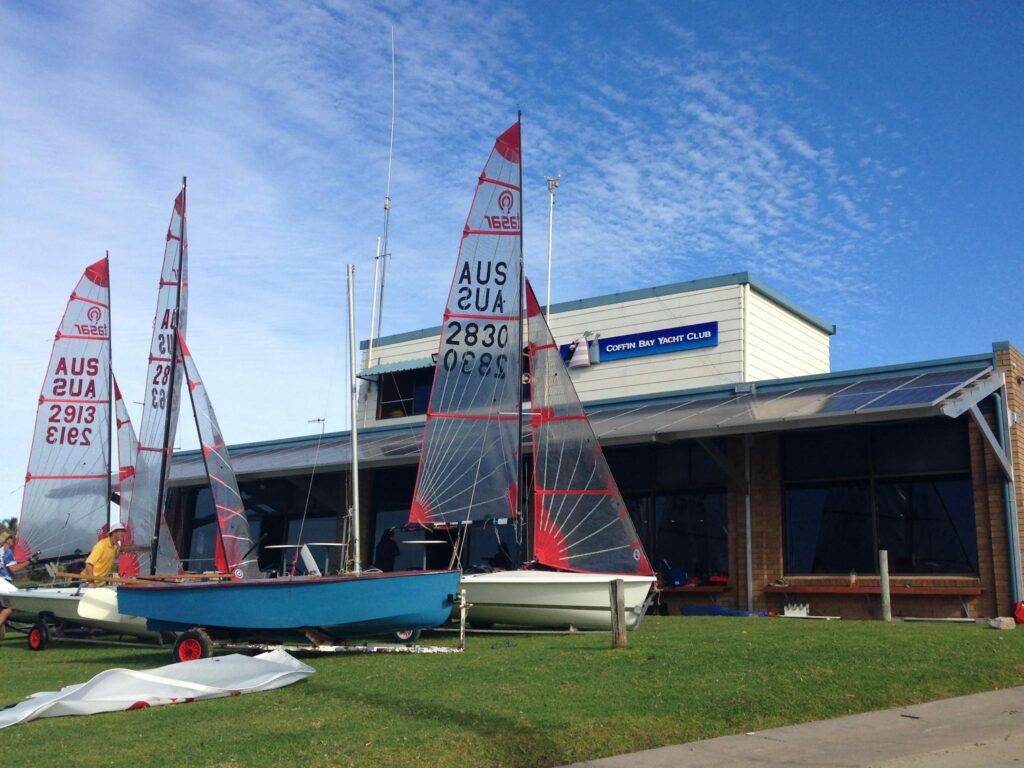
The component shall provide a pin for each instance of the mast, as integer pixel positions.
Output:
(552, 186)
(373, 306)
(384, 253)
(521, 500)
(169, 409)
(356, 561)
(110, 403)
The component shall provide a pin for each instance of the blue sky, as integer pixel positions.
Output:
(862, 159)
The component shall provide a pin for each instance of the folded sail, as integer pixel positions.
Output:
(469, 462)
(67, 486)
(580, 521)
(235, 550)
(127, 452)
(160, 404)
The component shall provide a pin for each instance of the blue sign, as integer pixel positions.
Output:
(655, 342)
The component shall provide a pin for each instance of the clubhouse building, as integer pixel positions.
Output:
(756, 477)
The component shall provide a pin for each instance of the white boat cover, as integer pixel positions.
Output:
(114, 690)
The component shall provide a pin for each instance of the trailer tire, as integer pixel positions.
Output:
(38, 636)
(406, 635)
(192, 644)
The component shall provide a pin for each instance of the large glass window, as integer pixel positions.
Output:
(828, 529)
(905, 488)
(692, 533)
(676, 496)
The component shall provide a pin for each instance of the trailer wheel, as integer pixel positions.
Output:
(406, 635)
(38, 636)
(192, 644)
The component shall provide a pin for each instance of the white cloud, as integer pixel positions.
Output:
(677, 162)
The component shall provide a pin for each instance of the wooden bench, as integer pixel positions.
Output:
(869, 591)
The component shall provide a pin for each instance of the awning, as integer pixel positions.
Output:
(908, 392)
(395, 367)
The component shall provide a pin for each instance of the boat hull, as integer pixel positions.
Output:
(341, 606)
(61, 604)
(551, 599)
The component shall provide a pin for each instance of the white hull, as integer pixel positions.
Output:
(62, 603)
(551, 599)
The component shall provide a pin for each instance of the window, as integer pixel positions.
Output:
(692, 533)
(905, 488)
(404, 393)
(676, 496)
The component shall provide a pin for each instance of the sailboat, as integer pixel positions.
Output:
(471, 456)
(66, 502)
(355, 604)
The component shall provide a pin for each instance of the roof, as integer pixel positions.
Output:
(941, 388)
(395, 367)
(737, 278)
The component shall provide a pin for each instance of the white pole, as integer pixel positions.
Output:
(356, 562)
(552, 186)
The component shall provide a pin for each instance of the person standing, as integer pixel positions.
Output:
(8, 566)
(100, 561)
(387, 551)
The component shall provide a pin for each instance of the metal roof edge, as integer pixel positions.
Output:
(286, 441)
(398, 338)
(671, 289)
(800, 312)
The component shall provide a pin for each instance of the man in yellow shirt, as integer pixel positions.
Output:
(101, 559)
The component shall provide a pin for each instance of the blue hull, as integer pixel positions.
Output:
(340, 606)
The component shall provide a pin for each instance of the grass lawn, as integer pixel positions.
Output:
(518, 700)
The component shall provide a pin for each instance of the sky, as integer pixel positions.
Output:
(863, 159)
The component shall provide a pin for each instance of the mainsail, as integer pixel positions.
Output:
(160, 406)
(234, 545)
(127, 453)
(67, 486)
(580, 521)
(469, 461)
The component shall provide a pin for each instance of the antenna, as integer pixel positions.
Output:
(552, 186)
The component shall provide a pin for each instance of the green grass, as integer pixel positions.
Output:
(519, 700)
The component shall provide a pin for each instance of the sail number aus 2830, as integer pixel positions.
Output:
(476, 335)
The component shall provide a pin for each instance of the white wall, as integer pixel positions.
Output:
(781, 344)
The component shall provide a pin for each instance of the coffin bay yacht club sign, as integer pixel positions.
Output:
(658, 342)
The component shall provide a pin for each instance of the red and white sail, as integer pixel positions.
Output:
(160, 404)
(67, 486)
(235, 551)
(469, 461)
(127, 453)
(580, 522)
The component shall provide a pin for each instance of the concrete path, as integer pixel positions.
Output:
(985, 730)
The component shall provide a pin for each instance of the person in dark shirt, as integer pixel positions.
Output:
(502, 559)
(387, 551)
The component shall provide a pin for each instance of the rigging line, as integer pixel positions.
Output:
(309, 492)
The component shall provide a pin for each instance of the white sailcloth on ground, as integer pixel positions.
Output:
(235, 552)
(160, 405)
(469, 462)
(67, 486)
(115, 690)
